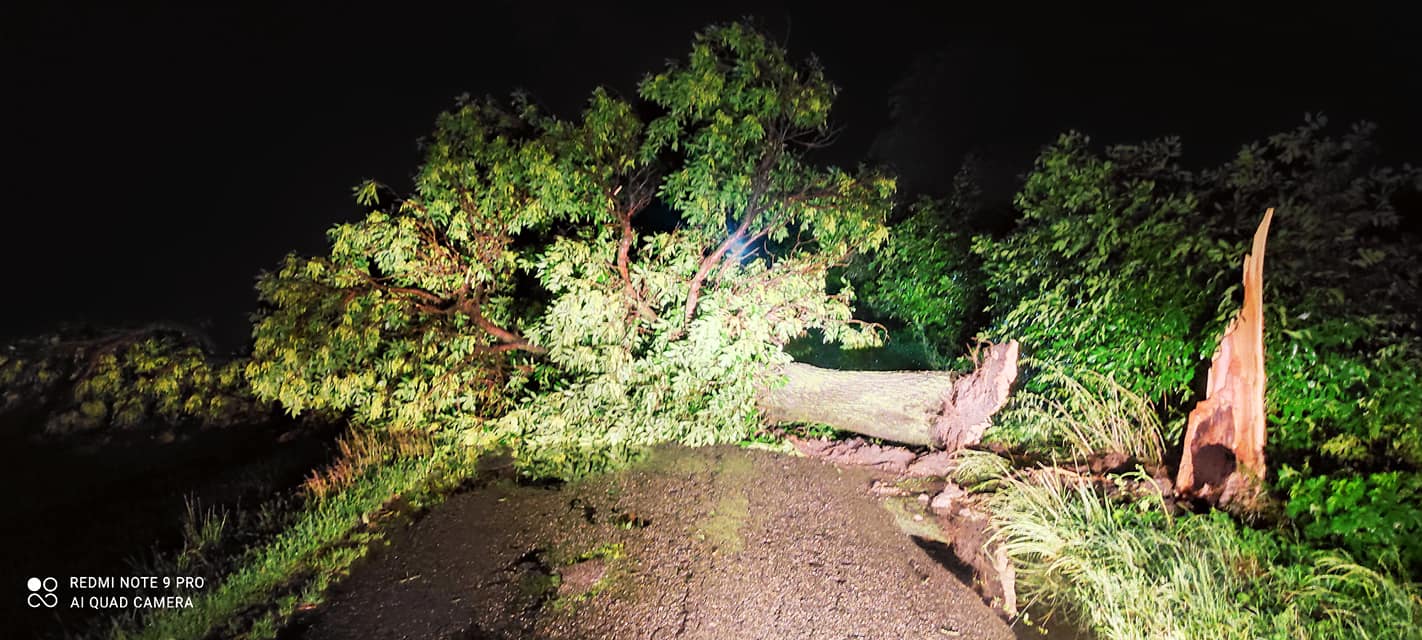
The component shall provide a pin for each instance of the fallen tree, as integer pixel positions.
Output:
(514, 296)
(931, 408)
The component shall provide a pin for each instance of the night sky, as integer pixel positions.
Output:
(157, 160)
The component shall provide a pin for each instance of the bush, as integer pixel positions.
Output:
(1337, 402)
(1102, 271)
(126, 380)
(925, 275)
(1375, 516)
(1124, 262)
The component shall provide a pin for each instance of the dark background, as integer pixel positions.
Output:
(157, 159)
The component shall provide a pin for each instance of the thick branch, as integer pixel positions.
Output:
(468, 304)
(693, 295)
(428, 297)
(624, 249)
(511, 340)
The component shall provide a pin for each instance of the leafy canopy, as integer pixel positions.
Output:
(516, 296)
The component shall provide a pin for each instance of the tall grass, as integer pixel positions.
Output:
(203, 531)
(360, 450)
(1125, 571)
(1338, 598)
(1131, 570)
(1083, 414)
(1134, 570)
(978, 470)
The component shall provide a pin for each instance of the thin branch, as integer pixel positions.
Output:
(638, 200)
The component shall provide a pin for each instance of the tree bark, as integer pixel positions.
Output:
(931, 408)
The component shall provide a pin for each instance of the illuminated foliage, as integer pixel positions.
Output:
(1103, 271)
(925, 276)
(515, 297)
(138, 379)
(1126, 263)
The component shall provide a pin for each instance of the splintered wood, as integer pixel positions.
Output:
(1223, 459)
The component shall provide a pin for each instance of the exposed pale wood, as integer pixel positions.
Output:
(968, 410)
(1223, 459)
(932, 408)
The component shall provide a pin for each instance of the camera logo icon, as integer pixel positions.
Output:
(42, 593)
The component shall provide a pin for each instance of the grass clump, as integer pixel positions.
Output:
(978, 470)
(1132, 570)
(1124, 570)
(362, 450)
(1078, 415)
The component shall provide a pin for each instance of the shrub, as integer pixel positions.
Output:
(925, 275)
(131, 379)
(1126, 263)
(1375, 516)
(1102, 270)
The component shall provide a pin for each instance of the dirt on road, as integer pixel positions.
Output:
(717, 542)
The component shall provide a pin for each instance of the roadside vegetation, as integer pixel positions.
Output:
(1138, 569)
(1120, 557)
(1118, 278)
(96, 383)
(265, 565)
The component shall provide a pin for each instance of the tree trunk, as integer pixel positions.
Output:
(1223, 460)
(932, 408)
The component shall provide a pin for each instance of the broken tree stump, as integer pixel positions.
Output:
(928, 408)
(1223, 459)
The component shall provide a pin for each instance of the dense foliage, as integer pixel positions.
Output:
(514, 296)
(146, 378)
(1127, 263)
(924, 276)
(1097, 274)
